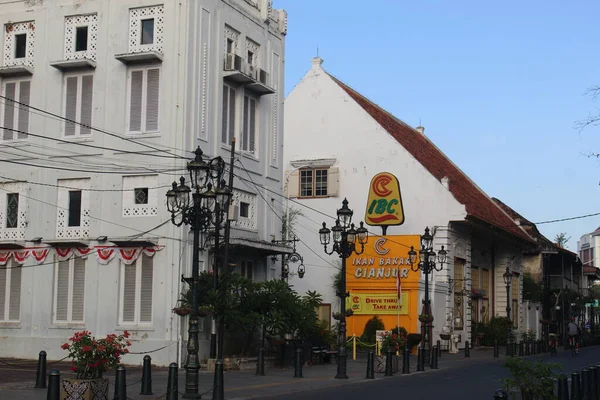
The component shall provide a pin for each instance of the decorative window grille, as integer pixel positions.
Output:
(146, 29)
(140, 196)
(19, 43)
(249, 221)
(13, 211)
(73, 216)
(81, 37)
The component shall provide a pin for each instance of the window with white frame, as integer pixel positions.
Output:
(19, 43)
(10, 292)
(136, 291)
(73, 209)
(313, 182)
(228, 116)
(78, 104)
(140, 196)
(13, 210)
(15, 116)
(146, 27)
(81, 37)
(69, 291)
(143, 99)
(250, 122)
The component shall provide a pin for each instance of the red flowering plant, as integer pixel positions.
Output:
(392, 342)
(92, 357)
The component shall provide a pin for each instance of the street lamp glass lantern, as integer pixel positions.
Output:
(344, 214)
(183, 194)
(426, 240)
(172, 199)
(222, 195)
(351, 234)
(325, 235)
(431, 257)
(337, 232)
(412, 256)
(507, 277)
(442, 255)
(198, 169)
(362, 233)
(301, 271)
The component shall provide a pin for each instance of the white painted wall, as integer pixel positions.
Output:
(190, 115)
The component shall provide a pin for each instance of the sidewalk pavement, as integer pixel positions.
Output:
(245, 385)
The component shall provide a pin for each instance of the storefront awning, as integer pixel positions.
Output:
(267, 248)
(11, 245)
(67, 243)
(133, 243)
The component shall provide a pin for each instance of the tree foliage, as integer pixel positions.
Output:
(532, 288)
(561, 239)
(534, 380)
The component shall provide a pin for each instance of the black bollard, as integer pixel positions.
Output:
(597, 380)
(218, 382)
(508, 349)
(434, 358)
(467, 350)
(521, 349)
(500, 394)
(147, 376)
(388, 363)
(298, 364)
(594, 378)
(538, 349)
(260, 364)
(406, 361)
(527, 347)
(439, 349)
(370, 365)
(53, 385)
(563, 388)
(40, 375)
(586, 384)
(420, 362)
(172, 383)
(575, 386)
(120, 384)
(514, 349)
(496, 349)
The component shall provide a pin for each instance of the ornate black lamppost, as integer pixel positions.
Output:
(345, 241)
(210, 200)
(507, 280)
(426, 262)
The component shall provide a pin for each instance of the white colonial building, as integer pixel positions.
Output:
(336, 141)
(101, 104)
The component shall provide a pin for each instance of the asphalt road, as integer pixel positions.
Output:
(477, 381)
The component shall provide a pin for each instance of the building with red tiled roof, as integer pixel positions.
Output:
(336, 141)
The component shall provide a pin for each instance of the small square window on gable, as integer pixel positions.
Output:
(19, 43)
(140, 196)
(312, 182)
(146, 27)
(81, 37)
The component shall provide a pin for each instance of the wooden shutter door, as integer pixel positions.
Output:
(9, 111)
(62, 291)
(146, 289)
(87, 90)
(71, 105)
(152, 97)
(24, 96)
(3, 273)
(333, 181)
(78, 297)
(293, 184)
(135, 102)
(129, 277)
(14, 305)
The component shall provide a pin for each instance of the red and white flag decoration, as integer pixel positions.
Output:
(4, 256)
(40, 254)
(104, 255)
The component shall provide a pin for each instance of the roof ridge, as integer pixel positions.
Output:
(352, 93)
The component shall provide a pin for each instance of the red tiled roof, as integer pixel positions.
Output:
(477, 203)
(587, 269)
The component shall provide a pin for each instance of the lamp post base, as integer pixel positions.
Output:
(341, 370)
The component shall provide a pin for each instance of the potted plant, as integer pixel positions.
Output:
(185, 306)
(426, 318)
(389, 342)
(91, 358)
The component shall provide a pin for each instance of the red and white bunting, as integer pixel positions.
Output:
(104, 255)
(63, 254)
(4, 256)
(40, 254)
(20, 256)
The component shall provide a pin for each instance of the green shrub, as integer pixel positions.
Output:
(402, 331)
(535, 380)
(497, 330)
(371, 327)
(413, 339)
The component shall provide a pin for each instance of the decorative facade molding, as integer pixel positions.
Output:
(136, 15)
(17, 233)
(71, 24)
(63, 230)
(252, 46)
(232, 35)
(12, 29)
(249, 222)
(130, 208)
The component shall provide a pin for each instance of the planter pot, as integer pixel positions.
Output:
(380, 364)
(426, 319)
(84, 389)
(182, 311)
(445, 336)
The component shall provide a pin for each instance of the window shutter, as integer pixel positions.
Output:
(225, 116)
(152, 95)
(146, 289)
(62, 291)
(333, 181)
(14, 307)
(129, 293)
(293, 184)
(252, 126)
(3, 273)
(78, 297)
(24, 96)
(135, 103)
(232, 105)
(9, 111)
(71, 105)
(87, 90)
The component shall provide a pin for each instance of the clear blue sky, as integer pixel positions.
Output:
(498, 87)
